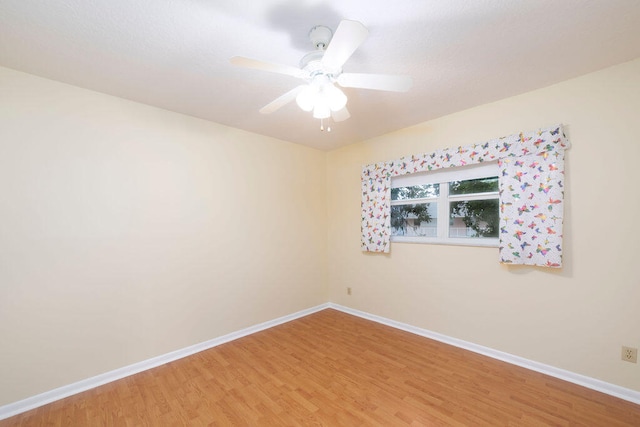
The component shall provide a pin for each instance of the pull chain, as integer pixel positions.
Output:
(322, 126)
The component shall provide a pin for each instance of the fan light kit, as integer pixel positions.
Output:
(321, 69)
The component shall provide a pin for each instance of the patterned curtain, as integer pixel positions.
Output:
(531, 182)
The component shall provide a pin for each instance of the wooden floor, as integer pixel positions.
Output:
(333, 369)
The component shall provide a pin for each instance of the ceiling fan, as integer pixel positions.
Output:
(321, 69)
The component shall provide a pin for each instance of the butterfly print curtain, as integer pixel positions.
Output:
(531, 188)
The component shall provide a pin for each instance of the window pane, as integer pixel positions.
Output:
(415, 192)
(474, 218)
(419, 219)
(472, 186)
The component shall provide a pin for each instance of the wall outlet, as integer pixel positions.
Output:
(348, 291)
(629, 354)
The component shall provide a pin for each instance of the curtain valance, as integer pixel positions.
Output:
(531, 188)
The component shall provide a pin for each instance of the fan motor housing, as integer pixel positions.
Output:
(308, 62)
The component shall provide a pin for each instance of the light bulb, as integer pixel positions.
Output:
(307, 97)
(321, 109)
(336, 99)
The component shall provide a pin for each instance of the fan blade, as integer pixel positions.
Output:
(348, 36)
(375, 81)
(282, 100)
(340, 115)
(241, 61)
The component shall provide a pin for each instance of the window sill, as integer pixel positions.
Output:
(476, 242)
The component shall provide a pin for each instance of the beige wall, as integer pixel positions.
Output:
(128, 231)
(576, 318)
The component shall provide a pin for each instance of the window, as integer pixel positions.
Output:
(448, 206)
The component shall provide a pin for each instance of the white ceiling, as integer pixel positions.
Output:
(174, 54)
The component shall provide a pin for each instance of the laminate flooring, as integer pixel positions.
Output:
(334, 369)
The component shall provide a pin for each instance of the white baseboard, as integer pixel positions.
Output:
(33, 402)
(588, 382)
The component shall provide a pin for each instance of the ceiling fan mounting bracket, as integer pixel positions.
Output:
(320, 36)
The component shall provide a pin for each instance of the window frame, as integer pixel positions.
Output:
(444, 177)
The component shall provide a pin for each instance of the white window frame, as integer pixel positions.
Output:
(443, 177)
